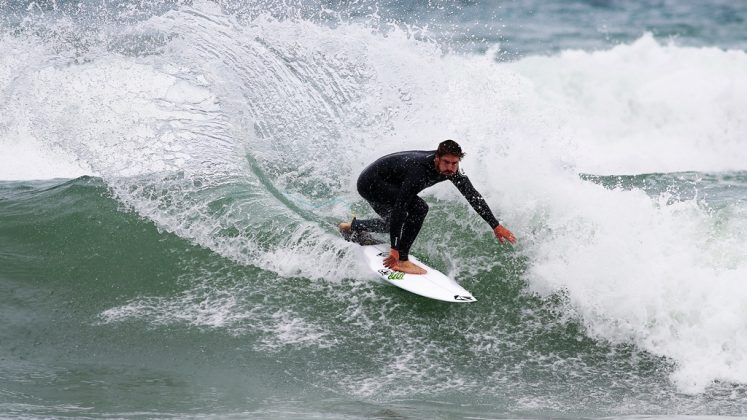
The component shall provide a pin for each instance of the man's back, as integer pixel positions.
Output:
(412, 171)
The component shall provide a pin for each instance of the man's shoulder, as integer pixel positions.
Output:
(408, 159)
(411, 154)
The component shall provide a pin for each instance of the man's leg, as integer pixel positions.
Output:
(380, 196)
(416, 212)
(380, 225)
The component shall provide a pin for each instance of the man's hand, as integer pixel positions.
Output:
(504, 234)
(392, 261)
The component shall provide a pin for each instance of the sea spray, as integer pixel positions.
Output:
(211, 133)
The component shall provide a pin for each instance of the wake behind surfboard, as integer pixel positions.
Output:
(433, 284)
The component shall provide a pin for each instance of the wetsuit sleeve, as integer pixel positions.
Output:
(474, 198)
(409, 189)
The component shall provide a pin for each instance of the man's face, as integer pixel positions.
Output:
(447, 164)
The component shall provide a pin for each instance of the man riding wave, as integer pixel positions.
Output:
(391, 185)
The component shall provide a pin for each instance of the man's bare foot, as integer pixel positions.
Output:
(409, 268)
(345, 227)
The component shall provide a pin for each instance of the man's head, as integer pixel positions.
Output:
(448, 156)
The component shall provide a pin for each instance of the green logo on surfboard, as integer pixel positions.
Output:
(396, 276)
(391, 275)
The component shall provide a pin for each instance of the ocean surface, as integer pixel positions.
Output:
(171, 174)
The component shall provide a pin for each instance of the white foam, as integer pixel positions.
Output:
(647, 106)
(27, 159)
(22, 155)
(657, 272)
(646, 272)
(207, 306)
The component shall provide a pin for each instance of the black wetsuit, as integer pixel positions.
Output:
(391, 185)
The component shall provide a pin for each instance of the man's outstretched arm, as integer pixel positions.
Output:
(478, 203)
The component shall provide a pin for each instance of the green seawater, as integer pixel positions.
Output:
(105, 315)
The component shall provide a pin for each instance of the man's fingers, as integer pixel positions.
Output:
(504, 234)
(503, 238)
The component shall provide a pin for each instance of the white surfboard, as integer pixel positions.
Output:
(433, 284)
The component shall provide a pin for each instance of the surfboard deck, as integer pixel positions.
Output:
(434, 284)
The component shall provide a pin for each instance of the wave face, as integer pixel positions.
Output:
(221, 146)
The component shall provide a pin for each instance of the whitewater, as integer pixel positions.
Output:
(621, 171)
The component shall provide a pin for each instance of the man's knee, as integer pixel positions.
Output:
(384, 210)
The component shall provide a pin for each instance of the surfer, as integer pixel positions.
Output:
(391, 185)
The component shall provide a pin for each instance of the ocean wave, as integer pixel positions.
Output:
(235, 133)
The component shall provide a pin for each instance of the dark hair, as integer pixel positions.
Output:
(449, 147)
